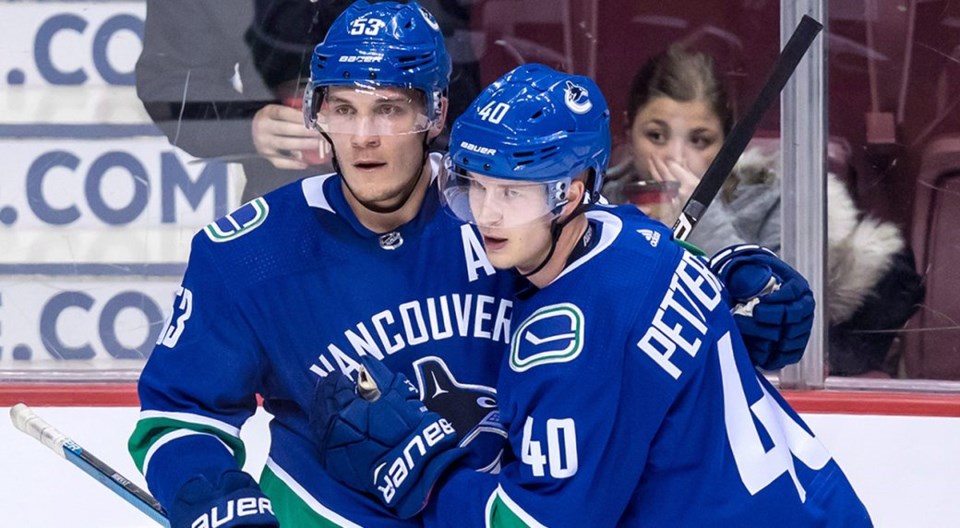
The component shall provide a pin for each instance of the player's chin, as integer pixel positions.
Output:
(500, 251)
(502, 260)
(384, 204)
(381, 198)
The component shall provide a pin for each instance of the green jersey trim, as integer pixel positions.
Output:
(293, 505)
(153, 429)
(503, 512)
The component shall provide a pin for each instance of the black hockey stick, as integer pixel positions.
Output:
(741, 134)
(27, 421)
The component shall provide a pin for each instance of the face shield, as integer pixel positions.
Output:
(498, 202)
(368, 110)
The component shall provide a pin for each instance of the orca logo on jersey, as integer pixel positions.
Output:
(471, 409)
(552, 334)
(240, 222)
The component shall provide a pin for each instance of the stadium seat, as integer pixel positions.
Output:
(932, 348)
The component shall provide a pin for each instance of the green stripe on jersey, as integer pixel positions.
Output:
(150, 430)
(288, 507)
(502, 512)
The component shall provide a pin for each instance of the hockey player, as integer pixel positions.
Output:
(306, 280)
(627, 392)
(309, 278)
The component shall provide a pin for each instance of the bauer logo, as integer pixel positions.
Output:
(70, 43)
(374, 57)
(552, 334)
(486, 151)
(73, 319)
(222, 514)
(403, 465)
(128, 182)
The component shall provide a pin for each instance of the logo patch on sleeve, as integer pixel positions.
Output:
(238, 223)
(552, 334)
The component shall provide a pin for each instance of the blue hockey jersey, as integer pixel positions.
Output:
(289, 288)
(630, 400)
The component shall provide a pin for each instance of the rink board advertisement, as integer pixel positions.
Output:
(70, 43)
(82, 318)
(97, 209)
(141, 182)
(97, 234)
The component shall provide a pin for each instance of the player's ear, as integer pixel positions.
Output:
(437, 127)
(574, 197)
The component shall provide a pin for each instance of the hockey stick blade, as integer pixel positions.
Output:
(32, 425)
(741, 134)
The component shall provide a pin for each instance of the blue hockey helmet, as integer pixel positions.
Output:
(536, 126)
(374, 45)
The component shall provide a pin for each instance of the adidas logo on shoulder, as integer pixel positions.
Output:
(653, 237)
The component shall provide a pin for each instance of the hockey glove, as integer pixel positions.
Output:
(775, 304)
(233, 501)
(382, 441)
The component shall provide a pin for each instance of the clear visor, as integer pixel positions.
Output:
(358, 111)
(499, 203)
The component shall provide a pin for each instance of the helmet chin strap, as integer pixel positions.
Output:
(556, 229)
(408, 188)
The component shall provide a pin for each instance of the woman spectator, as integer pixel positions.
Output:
(678, 114)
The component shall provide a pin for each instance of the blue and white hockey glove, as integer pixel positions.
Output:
(377, 437)
(775, 304)
(233, 501)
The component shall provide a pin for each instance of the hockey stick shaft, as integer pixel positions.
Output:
(32, 425)
(741, 134)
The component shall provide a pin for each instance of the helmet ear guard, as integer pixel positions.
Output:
(311, 105)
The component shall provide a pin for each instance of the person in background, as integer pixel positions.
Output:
(678, 114)
(225, 79)
(219, 87)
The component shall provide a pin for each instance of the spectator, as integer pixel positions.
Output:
(224, 79)
(678, 114)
